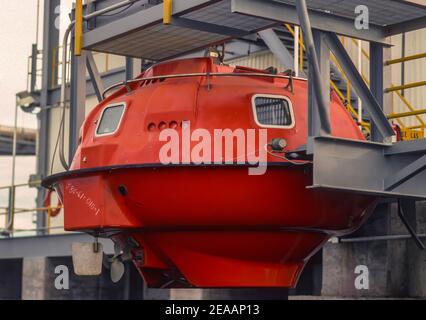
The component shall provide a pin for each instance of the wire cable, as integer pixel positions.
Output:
(298, 163)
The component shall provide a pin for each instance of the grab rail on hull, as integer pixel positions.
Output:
(201, 74)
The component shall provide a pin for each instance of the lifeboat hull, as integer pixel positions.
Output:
(210, 226)
(207, 225)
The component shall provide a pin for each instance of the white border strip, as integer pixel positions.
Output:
(119, 104)
(290, 105)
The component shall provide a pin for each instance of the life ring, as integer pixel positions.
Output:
(53, 212)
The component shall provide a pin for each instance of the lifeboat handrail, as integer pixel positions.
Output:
(197, 74)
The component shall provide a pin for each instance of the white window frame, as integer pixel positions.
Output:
(112, 105)
(290, 105)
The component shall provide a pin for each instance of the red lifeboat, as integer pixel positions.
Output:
(207, 222)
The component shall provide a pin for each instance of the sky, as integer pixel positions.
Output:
(17, 34)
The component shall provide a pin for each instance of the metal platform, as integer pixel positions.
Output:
(198, 24)
(46, 246)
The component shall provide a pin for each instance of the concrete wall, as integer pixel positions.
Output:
(38, 283)
(397, 268)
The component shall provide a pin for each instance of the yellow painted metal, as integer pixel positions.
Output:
(404, 59)
(406, 86)
(364, 53)
(420, 126)
(302, 48)
(78, 41)
(406, 114)
(410, 134)
(393, 89)
(347, 99)
(410, 107)
(167, 11)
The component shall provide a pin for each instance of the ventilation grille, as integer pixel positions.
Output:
(273, 111)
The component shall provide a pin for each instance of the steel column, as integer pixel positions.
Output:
(376, 84)
(321, 125)
(50, 42)
(133, 68)
(323, 54)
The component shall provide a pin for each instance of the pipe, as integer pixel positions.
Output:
(380, 238)
(319, 89)
(64, 68)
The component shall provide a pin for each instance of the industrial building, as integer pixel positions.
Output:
(376, 70)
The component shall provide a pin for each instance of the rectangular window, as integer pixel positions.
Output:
(272, 111)
(110, 120)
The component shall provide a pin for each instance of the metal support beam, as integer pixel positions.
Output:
(370, 103)
(323, 54)
(277, 47)
(406, 26)
(407, 147)
(34, 54)
(319, 20)
(133, 68)
(371, 170)
(376, 84)
(77, 101)
(407, 206)
(50, 41)
(406, 173)
(95, 77)
(319, 88)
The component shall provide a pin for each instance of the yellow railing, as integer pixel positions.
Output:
(57, 65)
(345, 99)
(11, 209)
(405, 59)
(394, 89)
